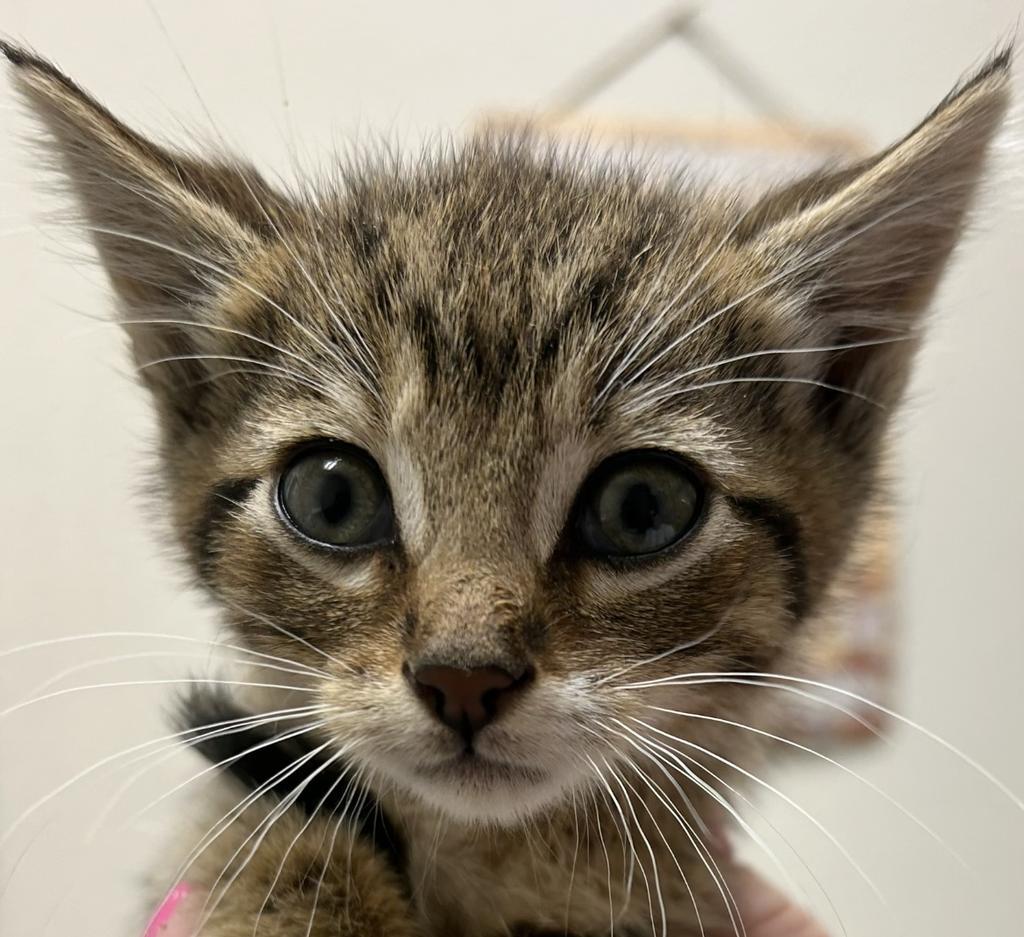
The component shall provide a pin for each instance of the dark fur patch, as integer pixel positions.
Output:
(785, 531)
(245, 754)
(224, 500)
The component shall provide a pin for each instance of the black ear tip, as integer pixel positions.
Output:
(998, 64)
(1000, 60)
(16, 55)
(25, 59)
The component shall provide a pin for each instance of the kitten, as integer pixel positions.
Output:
(523, 468)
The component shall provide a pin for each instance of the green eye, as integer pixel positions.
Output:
(336, 496)
(638, 503)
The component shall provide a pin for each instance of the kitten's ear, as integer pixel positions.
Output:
(170, 229)
(865, 246)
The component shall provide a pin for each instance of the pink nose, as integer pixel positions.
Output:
(466, 700)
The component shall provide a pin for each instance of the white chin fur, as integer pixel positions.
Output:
(499, 804)
(485, 800)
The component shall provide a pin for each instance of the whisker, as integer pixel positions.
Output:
(260, 836)
(351, 846)
(661, 392)
(828, 760)
(288, 734)
(575, 859)
(650, 851)
(807, 381)
(674, 760)
(271, 222)
(253, 372)
(639, 344)
(102, 635)
(223, 329)
(813, 349)
(778, 793)
(684, 825)
(103, 762)
(701, 848)
(231, 815)
(795, 691)
(803, 263)
(685, 646)
(226, 274)
(608, 866)
(314, 814)
(289, 634)
(342, 811)
(237, 359)
(144, 655)
(210, 731)
(629, 858)
(695, 678)
(56, 694)
(281, 81)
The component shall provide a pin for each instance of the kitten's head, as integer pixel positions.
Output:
(487, 438)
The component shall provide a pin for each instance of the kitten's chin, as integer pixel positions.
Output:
(478, 790)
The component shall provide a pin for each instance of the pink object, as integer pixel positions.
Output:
(162, 919)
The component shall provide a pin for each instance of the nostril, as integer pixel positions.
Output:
(429, 693)
(465, 699)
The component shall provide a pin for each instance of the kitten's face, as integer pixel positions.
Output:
(507, 449)
(488, 440)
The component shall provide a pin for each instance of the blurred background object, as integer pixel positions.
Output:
(287, 84)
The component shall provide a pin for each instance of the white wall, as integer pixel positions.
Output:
(77, 555)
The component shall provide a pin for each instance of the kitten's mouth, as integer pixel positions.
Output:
(471, 767)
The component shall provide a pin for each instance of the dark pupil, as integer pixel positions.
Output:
(639, 508)
(335, 498)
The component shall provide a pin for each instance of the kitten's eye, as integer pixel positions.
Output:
(336, 495)
(638, 503)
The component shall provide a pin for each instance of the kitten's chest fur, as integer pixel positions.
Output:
(570, 872)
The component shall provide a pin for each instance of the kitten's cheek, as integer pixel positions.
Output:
(178, 914)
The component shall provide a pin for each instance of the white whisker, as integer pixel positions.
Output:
(288, 634)
(663, 391)
(856, 866)
(681, 763)
(183, 681)
(342, 811)
(831, 761)
(104, 635)
(92, 769)
(257, 365)
(805, 381)
(305, 826)
(147, 655)
(285, 736)
(688, 830)
(657, 320)
(695, 679)
(164, 754)
(221, 825)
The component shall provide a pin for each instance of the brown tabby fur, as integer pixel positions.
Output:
(491, 323)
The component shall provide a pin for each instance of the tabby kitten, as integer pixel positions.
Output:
(523, 470)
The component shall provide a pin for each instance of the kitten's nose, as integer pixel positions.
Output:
(466, 700)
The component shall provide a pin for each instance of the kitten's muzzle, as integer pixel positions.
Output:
(467, 699)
